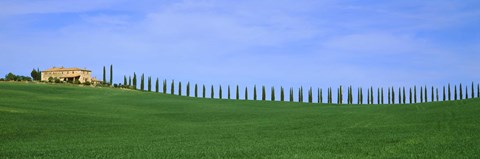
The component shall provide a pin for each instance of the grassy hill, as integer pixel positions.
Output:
(59, 121)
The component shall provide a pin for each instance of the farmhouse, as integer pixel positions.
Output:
(68, 74)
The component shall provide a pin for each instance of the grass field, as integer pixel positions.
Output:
(58, 121)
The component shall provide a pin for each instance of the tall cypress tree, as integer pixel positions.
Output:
(228, 92)
(255, 92)
(180, 88)
(134, 81)
(246, 93)
(393, 95)
(273, 94)
(238, 94)
(421, 94)
(455, 93)
(461, 92)
(156, 86)
(437, 94)
(473, 91)
(149, 84)
(478, 90)
(124, 80)
(212, 92)
(291, 94)
(389, 95)
(142, 83)
(410, 96)
(320, 96)
(204, 91)
(368, 96)
(129, 81)
(172, 88)
(426, 97)
(449, 93)
(263, 93)
(466, 92)
(310, 97)
(188, 89)
(433, 94)
(164, 90)
(300, 94)
(104, 75)
(399, 95)
(196, 90)
(404, 98)
(415, 94)
(382, 96)
(220, 92)
(111, 75)
(282, 94)
(444, 97)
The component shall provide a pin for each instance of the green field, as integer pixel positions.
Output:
(66, 121)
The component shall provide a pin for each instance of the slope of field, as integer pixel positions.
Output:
(58, 121)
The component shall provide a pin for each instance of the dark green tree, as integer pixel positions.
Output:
(228, 94)
(39, 74)
(237, 93)
(179, 88)
(473, 90)
(111, 75)
(358, 95)
(320, 96)
(421, 94)
(282, 94)
(478, 90)
(273, 94)
(300, 95)
(34, 75)
(444, 97)
(188, 89)
(104, 75)
(426, 96)
(415, 94)
(149, 84)
(220, 92)
(134, 81)
(164, 89)
(124, 80)
(157, 86)
(246, 93)
(399, 95)
(455, 93)
(196, 90)
(291, 94)
(404, 98)
(310, 96)
(382, 96)
(437, 93)
(449, 92)
(129, 81)
(433, 94)
(142, 82)
(254, 92)
(204, 91)
(466, 92)
(461, 92)
(389, 95)
(410, 96)
(212, 92)
(172, 88)
(264, 96)
(393, 95)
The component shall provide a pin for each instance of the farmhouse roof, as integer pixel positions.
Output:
(55, 69)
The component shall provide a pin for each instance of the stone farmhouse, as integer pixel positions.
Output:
(68, 75)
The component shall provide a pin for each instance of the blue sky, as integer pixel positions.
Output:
(316, 43)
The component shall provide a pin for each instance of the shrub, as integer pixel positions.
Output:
(57, 80)
(77, 82)
(87, 83)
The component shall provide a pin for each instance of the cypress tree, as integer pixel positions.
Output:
(142, 83)
(393, 95)
(415, 94)
(291, 94)
(433, 94)
(273, 93)
(389, 95)
(300, 100)
(156, 86)
(282, 94)
(220, 91)
(378, 95)
(426, 97)
(361, 95)
(321, 95)
(149, 84)
(455, 91)
(228, 92)
(473, 91)
(382, 96)
(466, 92)
(449, 93)
(164, 90)
(124, 80)
(196, 90)
(437, 93)
(404, 98)
(134, 81)
(444, 93)
(39, 74)
(179, 88)
(368, 96)
(246, 93)
(238, 93)
(310, 96)
(204, 91)
(399, 95)
(410, 95)
(104, 75)
(478, 90)
(255, 92)
(212, 92)
(263, 93)
(421, 94)
(111, 75)
(172, 88)
(461, 92)
(129, 80)
(188, 89)
(371, 94)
